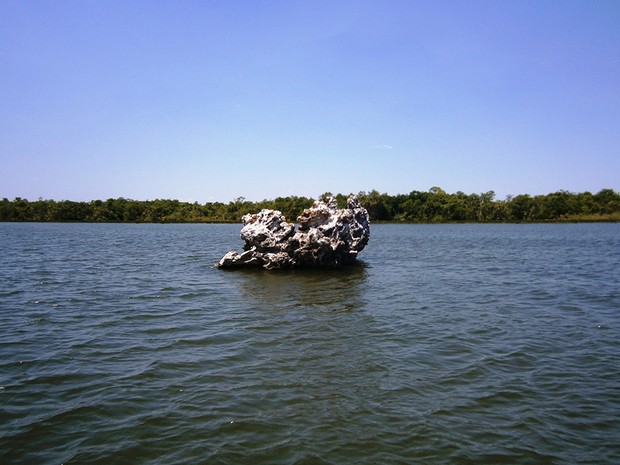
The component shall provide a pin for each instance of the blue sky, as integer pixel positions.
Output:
(213, 100)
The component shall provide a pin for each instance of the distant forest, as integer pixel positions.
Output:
(434, 206)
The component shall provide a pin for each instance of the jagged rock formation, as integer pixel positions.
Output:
(327, 237)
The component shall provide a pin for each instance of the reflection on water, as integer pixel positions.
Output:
(326, 290)
(317, 337)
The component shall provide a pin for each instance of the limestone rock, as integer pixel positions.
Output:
(327, 237)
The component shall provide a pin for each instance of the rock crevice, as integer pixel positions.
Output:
(327, 237)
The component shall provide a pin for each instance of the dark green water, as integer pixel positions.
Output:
(448, 344)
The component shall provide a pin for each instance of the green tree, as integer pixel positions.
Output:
(521, 208)
(376, 205)
(607, 201)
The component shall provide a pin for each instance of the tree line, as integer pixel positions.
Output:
(124, 210)
(437, 206)
(433, 206)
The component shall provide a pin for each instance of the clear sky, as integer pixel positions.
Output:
(213, 100)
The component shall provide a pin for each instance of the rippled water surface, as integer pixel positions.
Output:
(448, 344)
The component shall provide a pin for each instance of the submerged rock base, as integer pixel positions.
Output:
(327, 237)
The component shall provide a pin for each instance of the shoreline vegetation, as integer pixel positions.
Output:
(433, 206)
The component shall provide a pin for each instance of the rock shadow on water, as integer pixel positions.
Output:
(327, 289)
(309, 356)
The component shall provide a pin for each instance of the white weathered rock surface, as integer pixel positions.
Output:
(327, 237)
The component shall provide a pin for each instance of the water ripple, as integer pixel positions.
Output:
(451, 344)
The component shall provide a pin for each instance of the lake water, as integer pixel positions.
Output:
(448, 344)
